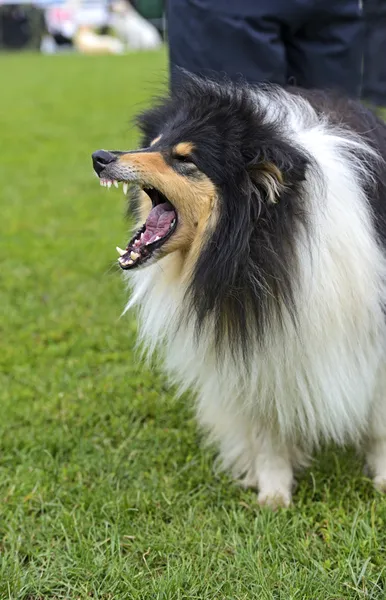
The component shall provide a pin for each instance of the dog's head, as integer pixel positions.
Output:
(217, 182)
(175, 197)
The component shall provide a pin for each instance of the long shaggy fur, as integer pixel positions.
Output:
(280, 329)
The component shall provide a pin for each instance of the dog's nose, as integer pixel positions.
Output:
(102, 158)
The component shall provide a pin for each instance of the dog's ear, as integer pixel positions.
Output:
(268, 177)
(276, 169)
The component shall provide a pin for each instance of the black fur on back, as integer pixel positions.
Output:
(247, 271)
(356, 117)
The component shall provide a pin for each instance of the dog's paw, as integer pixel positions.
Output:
(380, 483)
(249, 482)
(274, 500)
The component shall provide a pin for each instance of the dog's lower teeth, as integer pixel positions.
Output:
(134, 255)
(125, 262)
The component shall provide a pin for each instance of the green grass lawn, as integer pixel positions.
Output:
(105, 490)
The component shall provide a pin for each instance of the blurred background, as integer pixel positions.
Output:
(87, 26)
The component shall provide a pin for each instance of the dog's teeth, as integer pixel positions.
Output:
(125, 188)
(101, 182)
(134, 255)
(115, 182)
(109, 184)
(120, 251)
(125, 261)
(157, 237)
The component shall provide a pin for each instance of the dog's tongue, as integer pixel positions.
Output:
(158, 222)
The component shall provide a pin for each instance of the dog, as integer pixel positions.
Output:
(258, 269)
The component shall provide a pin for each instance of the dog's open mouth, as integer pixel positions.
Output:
(157, 229)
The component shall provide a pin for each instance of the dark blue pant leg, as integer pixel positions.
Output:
(374, 62)
(326, 52)
(206, 37)
(318, 43)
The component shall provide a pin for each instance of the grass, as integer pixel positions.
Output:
(105, 491)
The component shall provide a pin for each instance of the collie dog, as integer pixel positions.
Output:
(258, 268)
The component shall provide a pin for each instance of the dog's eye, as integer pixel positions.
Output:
(183, 158)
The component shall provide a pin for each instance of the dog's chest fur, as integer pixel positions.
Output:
(309, 383)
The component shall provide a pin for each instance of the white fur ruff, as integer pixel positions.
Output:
(319, 381)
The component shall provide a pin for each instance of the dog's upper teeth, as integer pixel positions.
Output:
(125, 187)
(115, 182)
(172, 223)
(120, 251)
(109, 184)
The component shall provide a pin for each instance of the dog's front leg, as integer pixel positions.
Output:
(376, 448)
(252, 454)
(274, 472)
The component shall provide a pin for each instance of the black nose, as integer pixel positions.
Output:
(102, 158)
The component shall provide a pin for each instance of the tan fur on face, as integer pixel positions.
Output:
(144, 208)
(148, 165)
(194, 198)
(205, 226)
(183, 148)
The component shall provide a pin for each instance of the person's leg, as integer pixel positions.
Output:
(374, 62)
(216, 37)
(326, 52)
